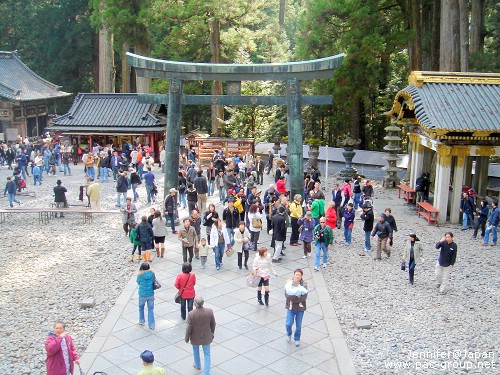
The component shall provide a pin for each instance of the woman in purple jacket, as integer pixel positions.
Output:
(306, 233)
(61, 352)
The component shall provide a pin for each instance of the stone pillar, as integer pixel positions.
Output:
(172, 144)
(481, 183)
(295, 157)
(456, 194)
(442, 182)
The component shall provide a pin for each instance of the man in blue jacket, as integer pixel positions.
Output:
(492, 225)
(10, 189)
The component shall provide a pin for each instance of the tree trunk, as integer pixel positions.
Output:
(106, 61)
(436, 31)
(476, 27)
(282, 13)
(449, 56)
(464, 34)
(217, 111)
(415, 43)
(143, 84)
(95, 61)
(427, 32)
(357, 121)
(125, 87)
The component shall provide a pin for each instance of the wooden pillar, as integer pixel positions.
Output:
(442, 182)
(481, 180)
(173, 135)
(295, 148)
(458, 181)
(468, 170)
(417, 159)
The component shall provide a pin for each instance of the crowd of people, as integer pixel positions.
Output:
(234, 223)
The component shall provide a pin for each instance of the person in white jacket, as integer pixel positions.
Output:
(263, 267)
(255, 224)
(219, 240)
(242, 243)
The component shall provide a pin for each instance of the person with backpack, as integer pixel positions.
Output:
(121, 188)
(467, 208)
(419, 188)
(482, 217)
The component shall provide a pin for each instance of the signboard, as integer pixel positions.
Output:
(4, 113)
(11, 134)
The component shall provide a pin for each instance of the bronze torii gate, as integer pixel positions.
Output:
(291, 72)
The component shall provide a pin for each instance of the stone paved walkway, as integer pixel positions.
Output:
(249, 338)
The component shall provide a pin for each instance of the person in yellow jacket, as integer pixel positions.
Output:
(296, 213)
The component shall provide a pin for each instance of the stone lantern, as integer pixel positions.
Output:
(393, 138)
(349, 144)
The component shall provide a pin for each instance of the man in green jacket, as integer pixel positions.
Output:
(323, 239)
(317, 208)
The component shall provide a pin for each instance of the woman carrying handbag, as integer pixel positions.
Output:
(184, 283)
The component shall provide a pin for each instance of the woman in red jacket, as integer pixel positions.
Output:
(61, 352)
(281, 185)
(185, 282)
(331, 215)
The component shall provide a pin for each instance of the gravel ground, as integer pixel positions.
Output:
(411, 324)
(50, 268)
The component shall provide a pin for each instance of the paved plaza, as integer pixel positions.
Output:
(249, 338)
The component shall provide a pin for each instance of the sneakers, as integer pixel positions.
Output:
(276, 260)
(297, 342)
(175, 232)
(324, 265)
(288, 338)
(316, 268)
(304, 257)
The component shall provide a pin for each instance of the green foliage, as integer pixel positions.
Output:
(54, 39)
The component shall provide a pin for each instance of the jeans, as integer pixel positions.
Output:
(411, 269)
(103, 173)
(206, 356)
(254, 238)
(140, 170)
(134, 192)
(170, 216)
(12, 198)
(115, 172)
(347, 235)
(219, 253)
(91, 172)
(149, 189)
(118, 195)
(230, 234)
(150, 300)
(67, 170)
(321, 246)
(37, 178)
(23, 171)
(222, 193)
(186, 302)
(490, 229)
(368, 245)
(467, 220)
(357, 200)
(58, 162)
(290, 317)
(182, 199)
(211, 187)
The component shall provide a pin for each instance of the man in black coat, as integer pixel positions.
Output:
(368, 218)
(60, 197)
(279, 234)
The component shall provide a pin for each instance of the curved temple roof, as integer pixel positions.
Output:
(20, 83)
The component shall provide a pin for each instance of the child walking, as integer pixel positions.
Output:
(203, 251)
(135, 242)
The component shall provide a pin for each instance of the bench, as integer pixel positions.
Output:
(408, 193)
(428, 211)
(44, 214)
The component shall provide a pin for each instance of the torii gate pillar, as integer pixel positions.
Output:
(172, 142)
(295, 148)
